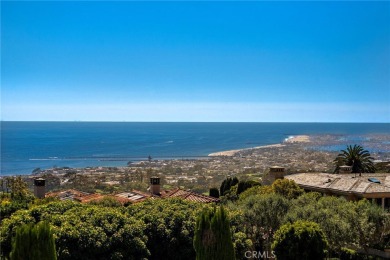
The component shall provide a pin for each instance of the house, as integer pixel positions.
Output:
(372, 186)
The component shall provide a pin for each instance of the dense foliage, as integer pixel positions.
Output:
(83, 231)
(14, 196)
(9, 206)
(34, 242)
(287, 188)
(165, 229)
(169, 226)
(284, 187)
(244, 185)
(15, 186)
(263, 215)
(155, 229)
(301, 240)
(334, 215)
(214, 192)
(227, 184)
(213, 238)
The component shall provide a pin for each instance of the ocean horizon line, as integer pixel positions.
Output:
(25, 140)
(249, 122)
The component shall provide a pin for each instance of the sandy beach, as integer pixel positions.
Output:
(233, 152)
(298, 139)
(290, 140)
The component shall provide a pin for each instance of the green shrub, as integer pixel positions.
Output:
(301, 240)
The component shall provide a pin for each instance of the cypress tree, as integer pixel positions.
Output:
(234, 181)
(213, 238)
(34, 242)
(244, 185)
(227, 184)
(214, 192)
(223, 187)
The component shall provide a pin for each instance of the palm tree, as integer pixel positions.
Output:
(355, 156)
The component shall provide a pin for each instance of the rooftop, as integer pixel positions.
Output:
(344, 183)
(72, 194)
(133, 196)
(190, 196)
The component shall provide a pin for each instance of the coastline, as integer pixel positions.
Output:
(298, 139)
(377, 144)
(289, 140)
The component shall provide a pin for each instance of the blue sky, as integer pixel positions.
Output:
(195, 61)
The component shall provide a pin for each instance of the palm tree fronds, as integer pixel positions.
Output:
(355, 156)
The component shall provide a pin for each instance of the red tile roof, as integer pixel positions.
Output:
(133, 197)
(89, 198)
(190, 196)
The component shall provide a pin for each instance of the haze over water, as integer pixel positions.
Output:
(29, 145)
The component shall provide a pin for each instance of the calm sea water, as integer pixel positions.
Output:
(29, 145)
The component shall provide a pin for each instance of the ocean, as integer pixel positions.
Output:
(29, 145)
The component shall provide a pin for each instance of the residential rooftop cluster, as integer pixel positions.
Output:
(133, 196)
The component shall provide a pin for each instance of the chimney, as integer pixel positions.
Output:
(155, 185)
(277, 171)
(345, 169)
(39, 188)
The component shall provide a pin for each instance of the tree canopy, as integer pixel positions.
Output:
(355, 156)
(301, 240)
(83, 231)
(227, 184)
(287, 188)
(170, 226)
(262, 216)
(166, 228)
